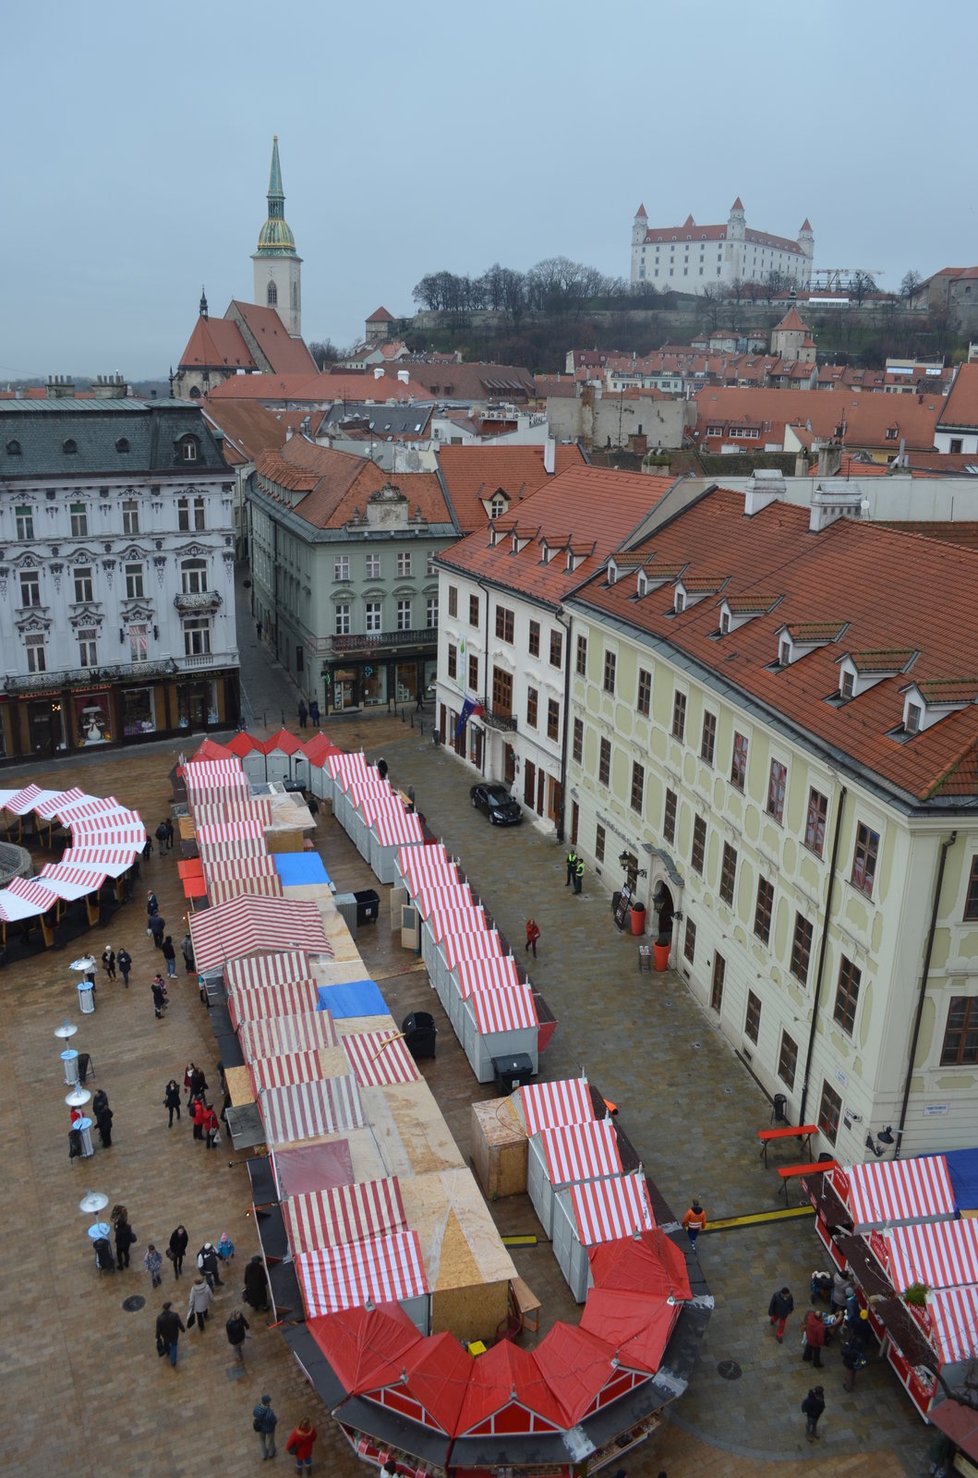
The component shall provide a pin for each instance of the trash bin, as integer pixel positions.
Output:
(512, 1071)
(70, 1059)
(368, 907)
(86, 997)
(660, 954)
(638, 918)
(779, 1108)
(420, 1033)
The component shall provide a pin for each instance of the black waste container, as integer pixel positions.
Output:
(513, 1071)
(420, 1034)
(368, 906)
(779, 1108)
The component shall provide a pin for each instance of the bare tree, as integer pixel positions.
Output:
(910, 287)
(861, 284)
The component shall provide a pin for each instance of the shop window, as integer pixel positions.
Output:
(138, 712)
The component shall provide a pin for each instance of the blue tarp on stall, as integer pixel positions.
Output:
(962, 1166)
(357, 998)
(299, 867)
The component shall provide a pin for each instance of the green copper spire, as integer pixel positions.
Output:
(275, 238)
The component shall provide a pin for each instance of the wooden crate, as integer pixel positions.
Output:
(499, 1148)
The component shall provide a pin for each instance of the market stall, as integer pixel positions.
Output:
(600, 1211)
(301, 1111)
(382, 1270)
(332, 1216)
(500, 1024)
(567, 1156)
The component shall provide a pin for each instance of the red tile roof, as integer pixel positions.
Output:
(249, 429)
(961, 406)
(216, 343)
(336, 484)
(381, 315)
(323, 389)
(883, 589)
(287, 356)
(792, 320)
(855, 420)
(600, 506)
(472, 473)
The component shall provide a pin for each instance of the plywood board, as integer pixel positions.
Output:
(460, 1242)
(240, 1087)
(411, 1134)
(470, 1313)
(352, 1026)
(499, 1148)
(340, 972)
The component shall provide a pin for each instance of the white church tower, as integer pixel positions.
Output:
(278, 267)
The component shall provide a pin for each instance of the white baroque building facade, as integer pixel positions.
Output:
(692, 258)
(117, 614)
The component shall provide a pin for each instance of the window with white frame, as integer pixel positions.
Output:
(88, 647)
(404, 615)
(373, 616)
(193, 573)
(79, 520)
(197, 636)
(497, 505)
(30, 588)
(84, 585)
(138, 641)
(130, 516)
(341, 567)
(36, 655)
(135, 589)
(341, 619)
(24, 515)
(371, 566)
(404, 563)
(190, 514)
(431, 611)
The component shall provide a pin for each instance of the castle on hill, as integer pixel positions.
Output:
(689, 258)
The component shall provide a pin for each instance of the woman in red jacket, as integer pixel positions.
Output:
(198, 1113)
(211, 1125)
(300, 1445)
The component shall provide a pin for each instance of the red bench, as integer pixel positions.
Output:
(789, 1131)
(791, 1172)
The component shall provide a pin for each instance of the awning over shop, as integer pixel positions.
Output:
(270, 969)
(384, 1270)
(273, 1035)
(260, 1003)
(548, 1105)
(248, 925)
(606, 1209)
(887, 1192)
(508, 1010)
(494, 972)
(580, 1151)
(379, 1059)
(310, 1110)
(940, 1254)
(347, 1213)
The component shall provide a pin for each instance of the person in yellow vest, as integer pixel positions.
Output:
(571, 865)
(694, 1221)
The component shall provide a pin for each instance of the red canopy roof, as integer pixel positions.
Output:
(283, 740)
(365, 1347)
(637, 1326)
(211, 750)
(317, 748)
(577, 1366)
(508, 1395)
(648, 1263)
(242, 744)
(432, 1385)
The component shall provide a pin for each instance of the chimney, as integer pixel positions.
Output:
(549, 455)
(829, 459)
(404, 376)
(378, 371)
(765, 485)
(110, 387)
(60, 387)
(801, 465)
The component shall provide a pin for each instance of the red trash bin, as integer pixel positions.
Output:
(660, 955)
(638, 918)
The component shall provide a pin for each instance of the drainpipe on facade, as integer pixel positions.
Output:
(822, 948)
(922, 993)
(562, 813)
(485, 679)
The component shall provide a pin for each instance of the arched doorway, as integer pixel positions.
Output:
(664, 907)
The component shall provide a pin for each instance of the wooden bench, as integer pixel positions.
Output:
(803, 1132)
(791, 1172)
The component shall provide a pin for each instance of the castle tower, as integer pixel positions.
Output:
(806, 239)
(278, 267)
(640, 226)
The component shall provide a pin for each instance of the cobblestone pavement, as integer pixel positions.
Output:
(83, 1388)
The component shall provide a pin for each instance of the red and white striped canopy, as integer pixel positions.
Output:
(13, 908)
(397, 826)
(33, 890)
(311, 1110)
(274, 1035)
(273, 969)
(428, 866)
(431, 898)
(548, 1105)
(342, 1214)
(48, 805)
(508, 1010)
(607, 1209)
(942, 1254)
(288, 1067)
(247, 885)
(109, 861)
(345, 768)
(497, 972)
(250, 925)
(212, 779)
(215, 813)
(229, 831)
(384, 1270)
(219, 871)
(581, 1152)
(89, 807)
(379, 1059)
(21, 802)
(225, 851)
(129, 839)
(900, 1190)
(481, 944)
(71, 882)
(954, 1322)
(256, 1003)
(446, 921)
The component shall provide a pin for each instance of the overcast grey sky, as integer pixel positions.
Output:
(422, 136)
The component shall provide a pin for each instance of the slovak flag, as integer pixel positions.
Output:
(471, 708)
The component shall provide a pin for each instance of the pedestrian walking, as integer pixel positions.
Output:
(187, 950)
(161, 836)
(124, 961)
(314, 713)
(571, 867)
(148, 849)
(419, 701)
(188, 1080)
(212, 1127)
(125, 1238)
(169, 1327)
(200, 1301)
(197, 1115)
(303, 714)
(198, 1082)
(209, 1264)
(171, 1100)
(264, 1422)
(814, 1338)
(153, 1263)
(108, 962)
(532, 935)
(103, 1120)
(851, 1362)
(694, 1221)
(300, 1445)
(578, 875)
(152, 904)
(382, 768)
(256, 1284)
(779, 1308)
(99, 1102)
(225, 1248)
(813, 1406)
(159, 997)
(170, 955)
(237, 1328)
(177, 1249)
(169, 834)
(841, 1283)
(157, 927)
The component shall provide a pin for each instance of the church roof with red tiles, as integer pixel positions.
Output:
(472, 475)
(895, 595)
(216, 343)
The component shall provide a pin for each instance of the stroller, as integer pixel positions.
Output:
(104, 1256)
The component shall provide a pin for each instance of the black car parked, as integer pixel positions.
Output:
(496, 801)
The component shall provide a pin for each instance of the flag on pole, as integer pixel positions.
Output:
(471, 708)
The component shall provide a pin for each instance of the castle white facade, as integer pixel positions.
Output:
(690, 258)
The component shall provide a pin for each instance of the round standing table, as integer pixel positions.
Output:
(70, 1059)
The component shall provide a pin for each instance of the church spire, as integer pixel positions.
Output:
(203, 303)
(275, 238)
(275, 191)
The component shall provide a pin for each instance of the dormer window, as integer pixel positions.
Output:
(189, 449)
(122, 445)
(13, 449)
(784, 652)
(680, 601)
(926, 703)
(912, 718)
(69, 447)
(847, 683)
(497, 505)
(641, 583)
(724, 623)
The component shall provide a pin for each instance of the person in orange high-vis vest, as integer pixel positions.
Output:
(694, 1221)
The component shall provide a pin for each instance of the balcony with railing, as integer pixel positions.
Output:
(498, 718)
(198, 600)
(116, 672)
(376, 642)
